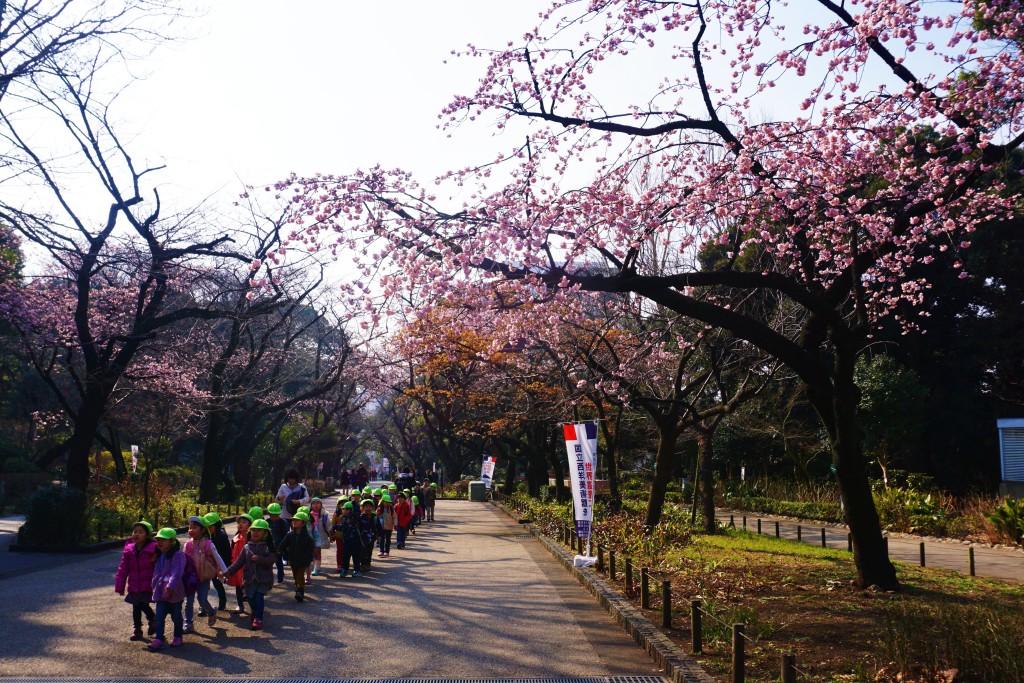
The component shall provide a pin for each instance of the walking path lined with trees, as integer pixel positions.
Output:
(471, 596)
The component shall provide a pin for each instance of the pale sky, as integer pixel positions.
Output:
(266, 88)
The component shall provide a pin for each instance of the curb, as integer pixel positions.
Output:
(677, 665)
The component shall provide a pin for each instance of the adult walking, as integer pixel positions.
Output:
(292, 495)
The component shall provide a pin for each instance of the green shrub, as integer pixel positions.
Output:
(983, 642)
(19, 465)
(827, 512)
(54, 516)
(1008, 519)
(910, 510)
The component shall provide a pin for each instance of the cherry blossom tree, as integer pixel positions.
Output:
(849, 140)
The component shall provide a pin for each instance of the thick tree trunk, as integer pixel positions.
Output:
(80, 444)
(214, 459)
(510, 477)
(705, 448)
(837, 411)
(668, 433)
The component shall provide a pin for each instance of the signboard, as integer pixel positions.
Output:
(487, 471)
(581, 444)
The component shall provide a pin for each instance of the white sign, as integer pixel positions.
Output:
(581, 443)
(487, 471)
(385, 466)
(135, 459)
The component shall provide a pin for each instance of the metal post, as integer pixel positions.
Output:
(611, 565)
(696, 629)
(666, 604)
(645, 588)
(789, 668)
(738, 659)
(970, 559)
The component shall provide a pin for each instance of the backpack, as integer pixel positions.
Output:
(190, 577)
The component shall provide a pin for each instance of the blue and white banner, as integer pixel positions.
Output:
(487, 471)
(581, 443)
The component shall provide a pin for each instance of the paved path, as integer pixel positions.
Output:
(472, 595)
(994, 563)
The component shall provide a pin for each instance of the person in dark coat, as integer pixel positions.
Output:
(298, 545)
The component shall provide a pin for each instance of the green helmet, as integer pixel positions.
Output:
(274, 508)
(407, 491)
(315, 499)
(304, 508)
(367, 491)
(392, 487)
(385, 498)
(415, 500)
(211, 518)
(433, 485)
(145, 525)
(377, 492)
(246, 517)
(302, 516)
(365, 501)
(261, 524)
(256, 512)
(167, 533)
(348, 505)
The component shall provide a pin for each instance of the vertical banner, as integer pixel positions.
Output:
(135, 459)
(581, 443)
(487, 471)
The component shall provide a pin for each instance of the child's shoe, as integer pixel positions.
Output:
(316, 572)
(202, 612)
(187, 627)
(381, 555)
(257, 624)
(211, 618)
(176, 642)
(150, 628)
(343, 573)
(298, 596)
(355, 574)
(138, 635)
(156, 644)
(222, 606)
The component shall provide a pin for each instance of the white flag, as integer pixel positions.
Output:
(581, 443)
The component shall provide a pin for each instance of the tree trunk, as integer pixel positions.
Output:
(80, 444)
(510, 478)
(668, 433)
(705, 450)
(851, 470)
(214, 459)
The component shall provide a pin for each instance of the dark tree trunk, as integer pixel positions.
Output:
(80, 444)
(510, 478)
(668, 433)
(705, 450)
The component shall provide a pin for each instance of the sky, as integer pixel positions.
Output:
(262, 89)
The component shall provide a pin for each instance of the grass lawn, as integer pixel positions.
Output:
(797, 598)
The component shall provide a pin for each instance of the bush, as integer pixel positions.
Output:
(19, 465)
(826, 512)
(910, 511)
(1008, 520)
(54, 516)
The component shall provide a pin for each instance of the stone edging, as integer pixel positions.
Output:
(677, 665)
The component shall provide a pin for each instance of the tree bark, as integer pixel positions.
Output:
(668, 433)
(705, 449)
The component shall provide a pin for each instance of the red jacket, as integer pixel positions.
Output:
(237, 546)
(136, 568)
(404, 512)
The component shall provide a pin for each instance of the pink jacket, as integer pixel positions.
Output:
(208, 560)
(136, 568)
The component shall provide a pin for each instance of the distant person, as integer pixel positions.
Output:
(406, 480)
(430, 500)
(387, 520)
(134, 577)
(404, 514)
(362, 477)
(344, 480)
(292, 495)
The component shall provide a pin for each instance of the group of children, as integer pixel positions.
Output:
(156, 568)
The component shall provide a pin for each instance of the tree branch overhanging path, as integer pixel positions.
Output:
(832, 203)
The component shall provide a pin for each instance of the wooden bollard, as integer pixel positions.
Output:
(849, 542)
(788, 673)
(885, 544)
(922, 553)
(758, 526)
(824, 544)
(629, 576)
(970, 559)
(645, 588)
(600, 558)
(777, 530)
(732, 521)
(744, 522)
(611, 565)
(696, 628)
(738, 656)
(666, 604)
(799, 533)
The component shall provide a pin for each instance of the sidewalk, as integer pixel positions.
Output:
(994, 563)
(472, 596)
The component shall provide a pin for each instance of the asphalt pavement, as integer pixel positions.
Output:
(472, 596)
(1006, 564)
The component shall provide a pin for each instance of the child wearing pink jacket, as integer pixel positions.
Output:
(134, 577)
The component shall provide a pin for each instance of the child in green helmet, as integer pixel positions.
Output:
(135, 576)
(168, 587)
(349, 537)
(257, 565)
(279, 528)
(430, 500)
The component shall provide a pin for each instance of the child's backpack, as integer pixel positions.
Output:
(190, 577)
